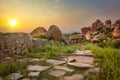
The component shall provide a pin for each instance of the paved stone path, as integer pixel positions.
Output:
(71, 68)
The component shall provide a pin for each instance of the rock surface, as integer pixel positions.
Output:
(81, 65)
(74, 77)
(63, 68)
(54, 32)
(37, 68)
(15, 76)
(17, 43)
(55, 62)
(34, 74)
(57, 73)
(39, 31)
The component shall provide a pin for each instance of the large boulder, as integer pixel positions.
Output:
(84, 30)
(108, 24)
(116, 31)
(97, 25)
(54, 32)
(39, 31)
(88, 35)
(116, 24)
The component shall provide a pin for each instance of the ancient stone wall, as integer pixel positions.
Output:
(17, 43)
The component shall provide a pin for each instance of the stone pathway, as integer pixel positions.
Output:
(68, 69)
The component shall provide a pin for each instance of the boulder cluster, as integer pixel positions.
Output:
(99, 30)
(53, 33)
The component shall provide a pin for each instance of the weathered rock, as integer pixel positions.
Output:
(54, 32)
(15, 76)
(39, 43)
(81, 65)
(57, 73)
(37, 68)
(88, 35)
(97, 25)
(55, 62)
(12, 44)
(108, 24)
(82, 59)
(15, 43)
(85, 30)
(116, 24)
(74, 77)
(63, 68)
(39, 31)
(34, 74)
(116, 32)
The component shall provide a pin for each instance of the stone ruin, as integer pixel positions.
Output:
(17, 43)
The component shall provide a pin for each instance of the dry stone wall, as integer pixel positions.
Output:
(17, 43)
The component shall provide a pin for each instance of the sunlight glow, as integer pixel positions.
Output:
(12, 23)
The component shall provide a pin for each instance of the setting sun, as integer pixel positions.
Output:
(12, 23)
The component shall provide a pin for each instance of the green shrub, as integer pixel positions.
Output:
(6, 69)
(109, 59)
(116, 43)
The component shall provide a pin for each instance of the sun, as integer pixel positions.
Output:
(12, 23)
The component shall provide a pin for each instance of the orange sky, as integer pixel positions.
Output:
(69, 15)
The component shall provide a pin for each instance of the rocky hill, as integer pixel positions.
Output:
(101, 30)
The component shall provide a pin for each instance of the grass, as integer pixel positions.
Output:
(52, 52)
(109, 59)
(6, 69)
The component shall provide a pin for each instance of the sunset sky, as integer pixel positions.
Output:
(68, 15)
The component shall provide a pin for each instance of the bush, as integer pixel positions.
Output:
(116, 43)
(109, 59)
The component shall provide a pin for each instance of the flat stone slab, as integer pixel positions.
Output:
(81, 65)
(82, 59)
(55, 62)
(36, 60)
(57, 73)
(15, 76)
(84, 53)
(63, 68)
(37, 68)
(34, 74)
(74, 77)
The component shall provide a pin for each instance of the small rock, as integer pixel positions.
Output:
(74, 77)
(55, 62)
(34, 74)
(57, 73)
(63, 68)
(37, 68)
(15, 76)
(82, 65)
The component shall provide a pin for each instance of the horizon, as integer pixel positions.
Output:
(68, 15)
